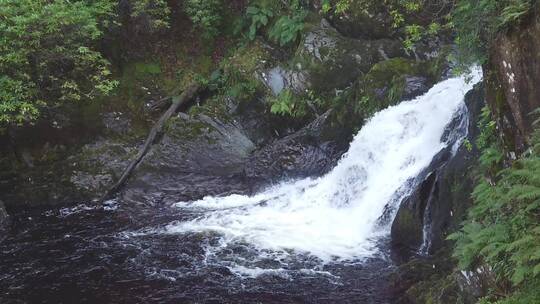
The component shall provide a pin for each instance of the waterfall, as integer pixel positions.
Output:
(337, 216)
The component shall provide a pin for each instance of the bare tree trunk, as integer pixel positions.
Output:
(156, 130)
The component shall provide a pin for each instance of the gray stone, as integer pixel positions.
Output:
(415, 86)
(326, 60)
(197, 156)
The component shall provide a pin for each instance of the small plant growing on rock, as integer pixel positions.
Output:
(287, 29)
(206, 14)
(259, 17)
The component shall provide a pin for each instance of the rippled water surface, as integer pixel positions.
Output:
(106, 255)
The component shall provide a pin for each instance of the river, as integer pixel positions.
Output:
(314, 240)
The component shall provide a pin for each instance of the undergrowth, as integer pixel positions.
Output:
(502, 229)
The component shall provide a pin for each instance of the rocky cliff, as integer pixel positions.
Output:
(513, 79)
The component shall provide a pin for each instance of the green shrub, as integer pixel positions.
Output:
(287, 29)
(48, 56)
(258, 17)
(155, 12)
(206, 14)
(287, 103)
(502, 229)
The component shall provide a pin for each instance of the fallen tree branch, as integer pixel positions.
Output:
(156, 130)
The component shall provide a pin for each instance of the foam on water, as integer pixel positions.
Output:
(337, 216)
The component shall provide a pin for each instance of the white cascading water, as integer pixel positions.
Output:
(337, 216)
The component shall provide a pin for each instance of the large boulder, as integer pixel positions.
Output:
(197, 156)
(307, 152)
(433, 280)
(327, 61)
(394, 80)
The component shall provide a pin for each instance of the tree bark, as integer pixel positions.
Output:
(156, 130)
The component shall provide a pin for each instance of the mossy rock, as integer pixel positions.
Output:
(328, 61)
(372, 22)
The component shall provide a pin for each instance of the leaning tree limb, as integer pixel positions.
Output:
(156, 130)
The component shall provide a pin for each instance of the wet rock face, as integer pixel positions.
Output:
(415, 86)
(200, 156)
(407, 228)
(197, 156)
(441, 201)
(301, 154)
(443, 196)
(513, 81)
(438, 284)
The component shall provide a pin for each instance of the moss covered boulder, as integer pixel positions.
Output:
(358, 22)
(327, 61)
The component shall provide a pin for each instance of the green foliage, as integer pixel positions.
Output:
(238, 86)
(156, 12)
(287, 103)
(259, 17)
(529, 295)
(17, 103)
(231, 82)
(206, 14)
(48, 56)
(415, 33)
(475, 22)
(487, 142)
(514, 11)
(283, 103)
(502, 228)
(467, 144)
(287, 29)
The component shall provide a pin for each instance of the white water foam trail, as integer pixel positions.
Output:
(336, 216)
